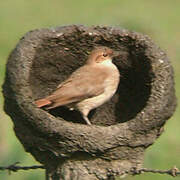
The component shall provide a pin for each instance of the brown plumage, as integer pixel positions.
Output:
(88, 87)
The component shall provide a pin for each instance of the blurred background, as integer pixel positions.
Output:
(158, 19)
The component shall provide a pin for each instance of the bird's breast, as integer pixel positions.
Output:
(110, 86)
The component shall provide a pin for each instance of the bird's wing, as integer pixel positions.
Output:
(82, 84)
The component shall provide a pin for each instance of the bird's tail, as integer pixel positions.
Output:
(42, 102)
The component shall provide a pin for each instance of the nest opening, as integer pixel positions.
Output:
(57, 58)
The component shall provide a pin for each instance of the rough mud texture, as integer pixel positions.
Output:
(122, 128)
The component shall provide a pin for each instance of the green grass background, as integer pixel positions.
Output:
(158, 19)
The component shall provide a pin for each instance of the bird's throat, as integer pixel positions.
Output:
(107, 62)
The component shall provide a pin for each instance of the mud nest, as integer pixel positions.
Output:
(122, 128)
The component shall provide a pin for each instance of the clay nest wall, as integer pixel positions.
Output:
(122, 128)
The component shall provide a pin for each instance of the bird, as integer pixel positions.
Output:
(88, 87)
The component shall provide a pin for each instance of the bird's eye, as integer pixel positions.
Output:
(105, 55)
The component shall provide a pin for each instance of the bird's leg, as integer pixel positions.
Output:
(86, 119)
(85, 113)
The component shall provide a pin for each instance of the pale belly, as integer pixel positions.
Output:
(96, 101)
(111, 85)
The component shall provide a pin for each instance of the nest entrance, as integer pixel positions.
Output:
(58, 56)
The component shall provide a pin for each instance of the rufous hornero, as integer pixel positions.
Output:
(89, 86)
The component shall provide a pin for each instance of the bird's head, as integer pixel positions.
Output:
(101, 54)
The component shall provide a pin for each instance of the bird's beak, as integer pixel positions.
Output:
(115, 53)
